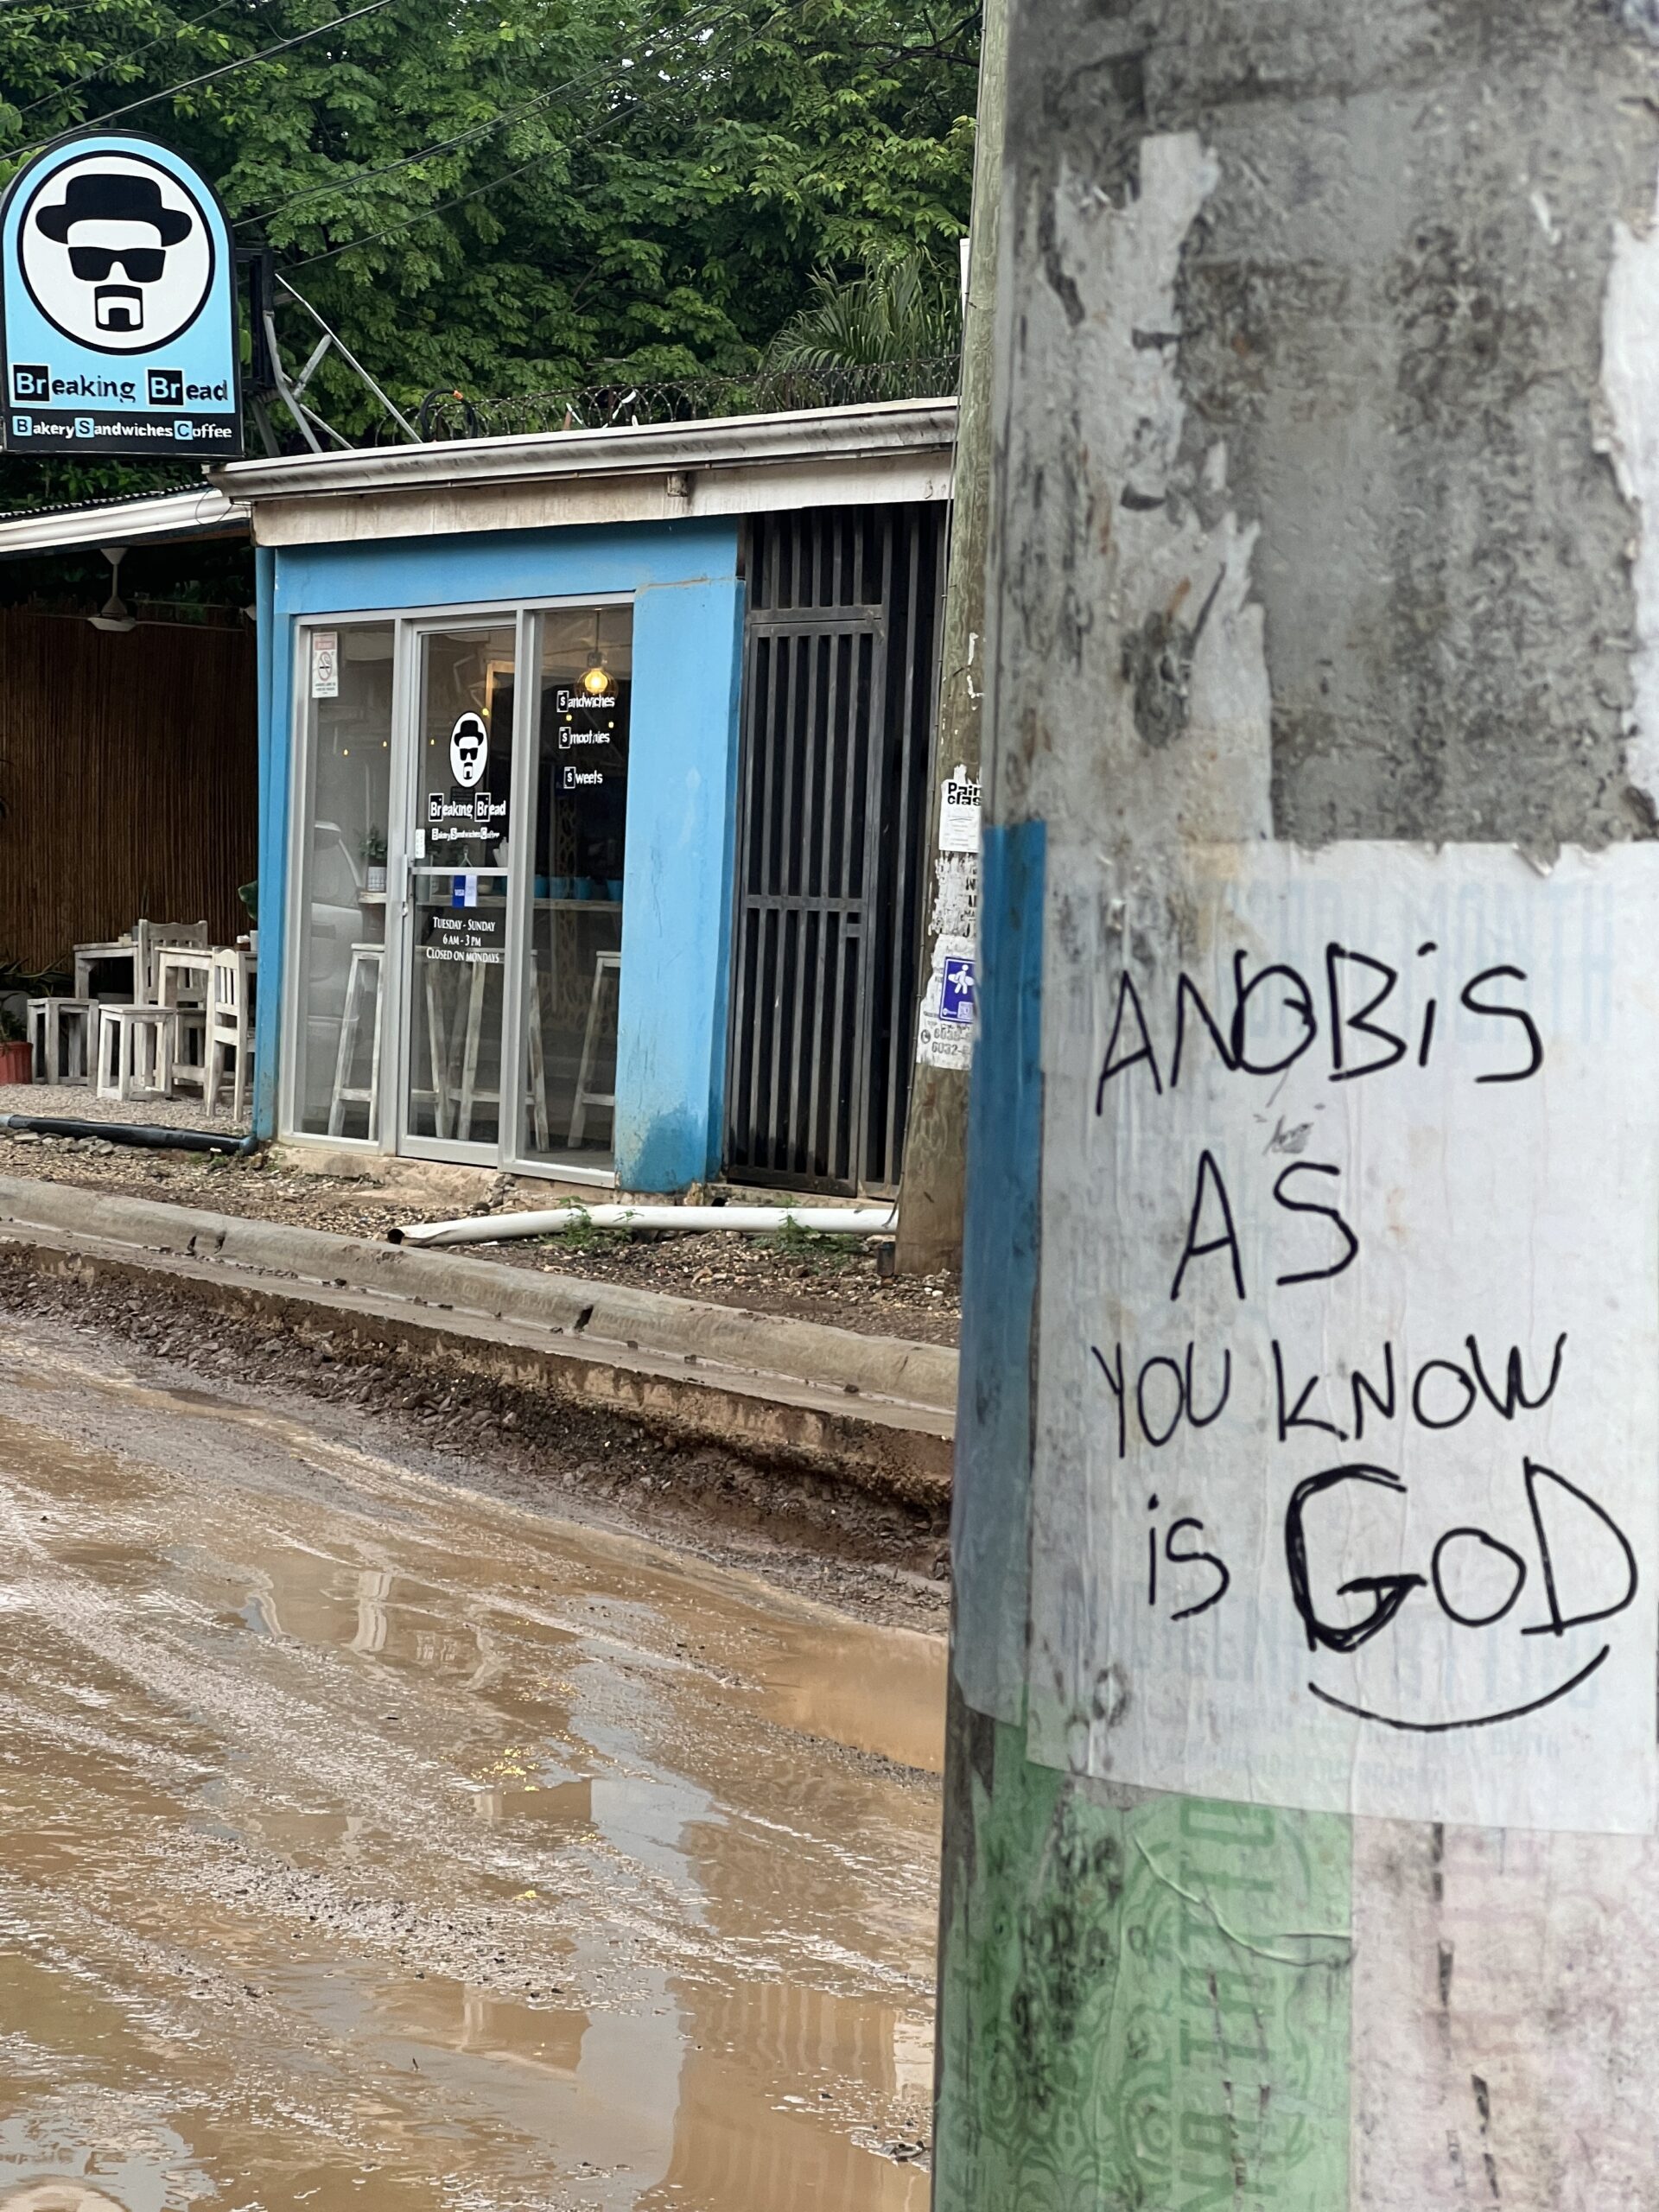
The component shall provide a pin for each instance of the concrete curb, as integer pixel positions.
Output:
(878, 1411)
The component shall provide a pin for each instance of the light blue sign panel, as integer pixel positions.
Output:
(117, 305)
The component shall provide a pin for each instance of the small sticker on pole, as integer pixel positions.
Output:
(325, 663)
(959, 813)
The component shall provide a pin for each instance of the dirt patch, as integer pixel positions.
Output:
(881, 1558)
(830, 1279)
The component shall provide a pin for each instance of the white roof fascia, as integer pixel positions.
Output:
(647, 472)
(195, 513)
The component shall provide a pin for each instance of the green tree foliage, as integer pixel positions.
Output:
(642, 187)
(897, 312)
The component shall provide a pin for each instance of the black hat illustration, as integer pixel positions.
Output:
(113, 197)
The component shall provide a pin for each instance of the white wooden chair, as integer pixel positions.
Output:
(152, 938)
(230, 1030)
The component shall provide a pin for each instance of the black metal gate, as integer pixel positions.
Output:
(839, 682)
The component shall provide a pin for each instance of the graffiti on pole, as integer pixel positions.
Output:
(1347, 1430)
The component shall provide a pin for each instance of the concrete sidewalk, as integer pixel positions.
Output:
(876, 1411)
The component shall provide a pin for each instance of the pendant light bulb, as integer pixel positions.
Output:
(113, 615)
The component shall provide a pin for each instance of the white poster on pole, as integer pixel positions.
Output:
(1346, 1486)
(959, 805)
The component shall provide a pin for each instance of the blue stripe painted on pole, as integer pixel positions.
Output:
(1005, 1136)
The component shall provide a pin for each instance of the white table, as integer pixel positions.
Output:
(87, 956)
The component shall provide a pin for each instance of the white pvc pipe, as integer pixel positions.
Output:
(753, 1221)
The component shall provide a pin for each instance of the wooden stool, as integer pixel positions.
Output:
(456, 1096)
(537, 1064)
(132, 1050)
(605, 963)
(54, 1024)
(366, 973)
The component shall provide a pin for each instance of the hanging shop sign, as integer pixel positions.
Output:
(118, 305)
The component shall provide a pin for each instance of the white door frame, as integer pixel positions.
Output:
(409, 625)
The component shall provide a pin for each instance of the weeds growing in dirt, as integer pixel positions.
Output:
(821, 1250)
(584, 1238)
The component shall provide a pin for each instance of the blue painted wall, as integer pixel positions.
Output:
(677, 908)
(682, 786)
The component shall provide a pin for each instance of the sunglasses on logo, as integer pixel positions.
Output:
(143, 264)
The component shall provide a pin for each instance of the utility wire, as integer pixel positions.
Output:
(58, 7)
(506, 177)
(444, 206)
(689, 26)
(189, 83)
(61, 91)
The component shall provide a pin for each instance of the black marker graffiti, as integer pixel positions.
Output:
(1359, 1001)
(1391, 1592)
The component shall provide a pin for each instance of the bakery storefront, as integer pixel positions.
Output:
(462, 784)
(501, 713)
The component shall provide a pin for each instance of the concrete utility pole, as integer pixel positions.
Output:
(1303, 1777)
(936, 1139)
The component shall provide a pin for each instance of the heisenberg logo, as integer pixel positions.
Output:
(470, 751)
(115, 252)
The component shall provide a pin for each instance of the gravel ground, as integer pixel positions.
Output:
(78, 1101)
(832, 1279)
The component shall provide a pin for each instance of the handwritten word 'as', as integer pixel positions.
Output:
(1247, 1036)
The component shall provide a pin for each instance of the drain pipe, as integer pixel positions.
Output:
(133, 1132)
(748, 1221)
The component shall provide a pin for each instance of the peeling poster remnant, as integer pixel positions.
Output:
(948, 1009)
(1346, 1425)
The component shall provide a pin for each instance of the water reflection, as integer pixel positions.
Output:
(373, 1846)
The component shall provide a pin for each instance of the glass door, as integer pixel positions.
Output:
(348, 712)
(456, 904)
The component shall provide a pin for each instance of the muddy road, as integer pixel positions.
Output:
(366, 1842)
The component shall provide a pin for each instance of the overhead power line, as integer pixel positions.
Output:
(694, 27)
(206, 77)
(473, 132)
(61, 91)
(476, 192)
(699, 27)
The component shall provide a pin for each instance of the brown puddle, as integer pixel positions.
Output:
(366, 1844)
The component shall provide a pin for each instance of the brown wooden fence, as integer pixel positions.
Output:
(128, 780)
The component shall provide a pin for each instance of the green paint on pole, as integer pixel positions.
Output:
(1145, 1999)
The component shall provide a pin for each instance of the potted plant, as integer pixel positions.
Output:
(373, 851)
(16, 1060)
